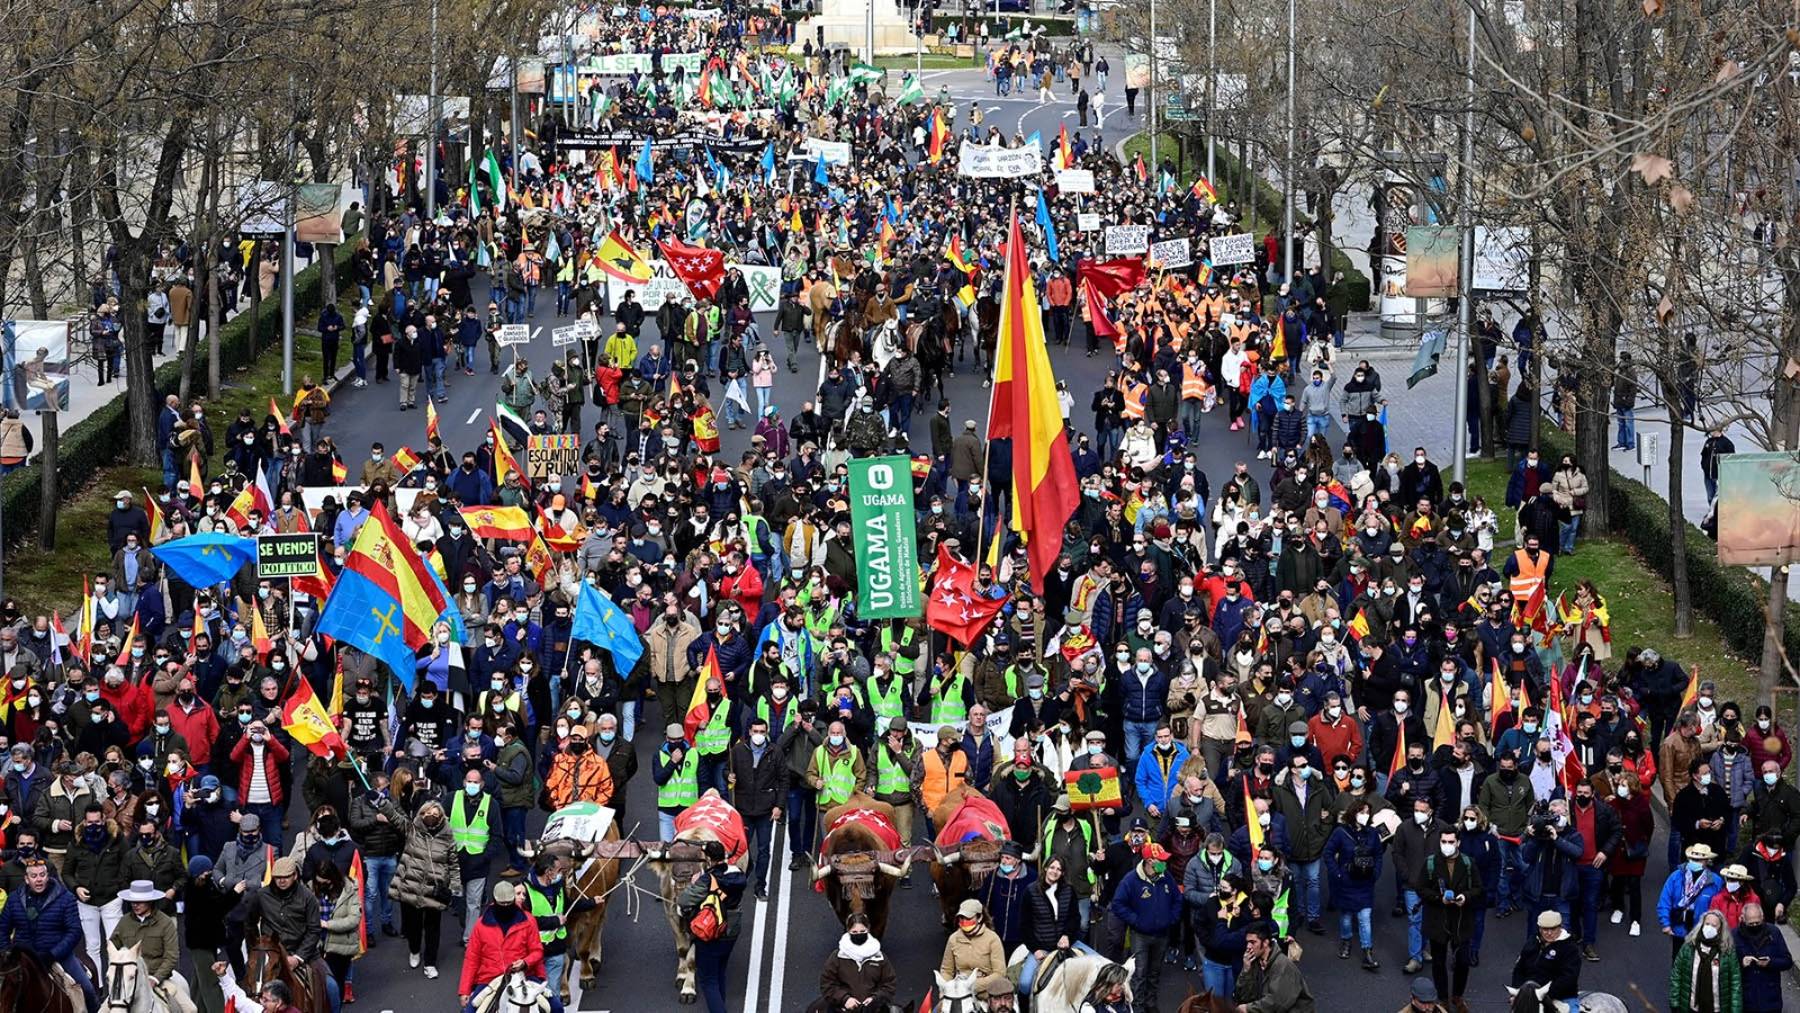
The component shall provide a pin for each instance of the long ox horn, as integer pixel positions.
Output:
(896, 871)
(945, 858)
(821, 869)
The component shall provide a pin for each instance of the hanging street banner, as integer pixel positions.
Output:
(881, 515)
(764, 283)
(994, 161)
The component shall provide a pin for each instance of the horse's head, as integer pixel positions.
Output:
(125, 974)
(265, 961)
(519, 994)
(957, 995)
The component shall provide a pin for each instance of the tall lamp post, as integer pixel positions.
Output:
(431, 131)
(1287, 213)
(1154, 131)
(1212, 77)
(1465, 288)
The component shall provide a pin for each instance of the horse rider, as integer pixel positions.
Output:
(151, 930)
(42, 920)
(287, 910)
(976, 947)
(504, 941)
(1551, 961)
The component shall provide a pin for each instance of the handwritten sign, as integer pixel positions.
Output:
(1075, 180)
(560, 336)
(1171, 253)
(513, 334)
(994, 161)
(1087, 221)
(1238, 249)
(558, 454)
(1125, 240)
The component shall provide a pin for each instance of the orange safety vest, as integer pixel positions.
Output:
(1193, 383)
(1531, 575)
(939, 778)
(1134, 400)
(1214, 306)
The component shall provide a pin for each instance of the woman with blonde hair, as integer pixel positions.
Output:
(1706, 976)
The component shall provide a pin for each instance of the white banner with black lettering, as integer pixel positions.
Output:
(993, 161)
(1125, 240)
(1170, 254)
(1238, 249)
(764, 283)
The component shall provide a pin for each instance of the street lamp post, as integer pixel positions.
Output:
(1287, 213)
(1152, 96)
(1465, 289)
(431, 131)
(1212, 77)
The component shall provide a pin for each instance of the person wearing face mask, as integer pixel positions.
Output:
(1773, 808)
(1687, 895)
(1549, 962)
(835, 769)
(1701, 810)
(1549, 857)
(424, 883)
(1450, 889)
(1762, 952)
(1707, 976)
(378, 826)
(758, 780)
(149, 856)
(857, 976)
(577, 774)
(1148, 902)
(472, 818)
(94, 869)
(676, 771)
(1740, 889)
(1353, 860)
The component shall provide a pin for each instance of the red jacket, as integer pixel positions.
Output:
(492, 950)
(134, 703)
(199, 727)
(744, 587)
(273, 753)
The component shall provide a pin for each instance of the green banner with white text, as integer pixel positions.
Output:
(887, 547)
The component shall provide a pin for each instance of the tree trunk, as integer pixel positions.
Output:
(140, 366)
(1774, 659)
(48, 496)
(1678, 566)
(34, 277)
(215, 322)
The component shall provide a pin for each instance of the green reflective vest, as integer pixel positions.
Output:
(714, 737)
(947, 707)
(683, 786)
(890, 777)
(1087, 836)
(889, 705)
(902, 664)
(838, 773)
(470, 838)
(540, 907)
(789, 715)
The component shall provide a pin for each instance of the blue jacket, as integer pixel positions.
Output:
(1144, 699)
(1154, 786)
(1351, 893)
(49, 926)
(1668, 905)
(1484, 850)
(1761, 986)
(1005, 901)
(1228, 618)
(1148, 908)
(1537, 861)
(474, 488)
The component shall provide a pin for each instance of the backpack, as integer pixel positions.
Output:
(707, 923)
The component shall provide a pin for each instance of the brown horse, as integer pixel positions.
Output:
(28, 985)
(593, 879)
(266, 960)
(1206, 1002)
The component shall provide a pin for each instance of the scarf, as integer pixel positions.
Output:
(869, 950)
(1703, 979)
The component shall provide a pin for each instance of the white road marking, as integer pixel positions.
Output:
(1068, 114)
(1021, 127)
(782, 889)
(753, 983)
(472, 417)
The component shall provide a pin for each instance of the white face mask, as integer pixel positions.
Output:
(1447, 849)
(1470, 824)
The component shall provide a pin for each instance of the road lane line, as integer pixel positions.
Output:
(472, 417)
(1021, 127)
(781, 891)
(753, 982)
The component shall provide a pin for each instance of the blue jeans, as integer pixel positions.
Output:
(531, 300)
(1306, 887)
(734, 414)
(512, 827)
(378, 908)
(900, 412)
(1365, 933)
(665, 826)
(1512, 875)
(79, 973)
(563, 298)
(1138, 734)
(359, 360)
(712, 774)
(515, 309)
(1627, 428)
(758, 830)
(1219, 979)
(168, 468)
(271, 822)
(1028, 973)
(1587, 890)
(1479, 934)
(1566, 532)
(334, 994)
(553, 972)
(1317, 425)
(710, 960)
(1415, 935)
(802, 819)
(434, 370)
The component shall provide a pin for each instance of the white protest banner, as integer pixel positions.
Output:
(764, 284)
(585, 328)
(624, 64)
(560, 336)
(313, 497)
(1087, 221)
(1125, 240)
(997, 723)
(1238, 249)
(513, 334)
(1171, 253)
(831, 152)
(1075, 180)
(582, 821)
(994, 161)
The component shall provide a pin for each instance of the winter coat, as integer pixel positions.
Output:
(1045, 924)
(757, 788)
(1761, 986)
(1349, 891)
(340, 926)
(292, 917)
(1445, 922)
(1155, 781)
(1543, 859)
(155, 939)
(1149, 908)
(101, 872)
(1005, 900)
(871, 979)
(377, 839)
(1307, 829)
(47, 924)
(1725, 994)
(493, 948)
(425, 864)
(161, 865)
(1671, 913)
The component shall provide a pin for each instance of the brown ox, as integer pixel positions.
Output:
(958, 872)
(856, 882)
(593, 878)
(675, 867)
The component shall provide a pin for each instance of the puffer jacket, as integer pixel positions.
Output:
(291, 916)
(377, 839)
(48, 925)
(340, 924)
(101, 872)
(426, 862)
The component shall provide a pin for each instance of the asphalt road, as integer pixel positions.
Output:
(785, 940)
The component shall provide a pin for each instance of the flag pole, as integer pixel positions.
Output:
(987, 452)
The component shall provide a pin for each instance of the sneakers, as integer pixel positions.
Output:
(1634, 928)
(430, 972)
(1589, 954)
(359, 383)
(1413, 967)
(1343, 949)
(412, 960)
(1617, 917)
(349, 993)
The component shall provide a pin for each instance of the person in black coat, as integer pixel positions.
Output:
(1052, 920)
(759, 783)
(1771, 868)
(1550, 960)
(1701, 810)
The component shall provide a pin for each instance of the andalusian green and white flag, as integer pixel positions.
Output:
(474, 193)
(835, 92)
(912, 91)
(862, 73)
(788, 89)
(496, 179)
(722, 95)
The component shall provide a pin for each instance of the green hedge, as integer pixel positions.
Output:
(1269, 207)
(104, 437)
(1733, 597)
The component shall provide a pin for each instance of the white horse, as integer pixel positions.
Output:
(884, 346)
(957, 995)
(1525, 999)
(1062, 983)
(130, 989)
(512, 992)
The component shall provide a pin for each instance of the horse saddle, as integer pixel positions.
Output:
(1047, 969)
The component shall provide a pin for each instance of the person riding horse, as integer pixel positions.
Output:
(505, 940)
(287, 910)
(43, 920)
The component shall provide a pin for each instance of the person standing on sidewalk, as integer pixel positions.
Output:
(331, 330)
(1624, 399)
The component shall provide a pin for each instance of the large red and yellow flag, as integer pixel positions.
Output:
(1024, 409)
(308, 723)
(699, 712)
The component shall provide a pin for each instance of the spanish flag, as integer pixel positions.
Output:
(431, 423)
(1278, 347)
(259, 634)
(953, 252)
(554, 536)
(1251, 824)
(159, 528)
(1691, 695)
(621, 260)
(1359, 626)
(338, 471)
(1024, 408)
(131, 637)
(699, 712)
(504, 461)
(1399, 759)
(1064, 153)
(1499, 700)
(1203, 189)
(281, 419)
(505, 523)
(405, 458)
(308, 723)
(940, 137)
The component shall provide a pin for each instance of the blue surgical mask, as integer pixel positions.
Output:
(837, 740)
(1007, 869)
(1696, 867)
(1768, 779)
(427, 701)
(91, 695)
(1529, 728)
(1265, 864)
(1297, 740)
(608, 737)
(472, 790)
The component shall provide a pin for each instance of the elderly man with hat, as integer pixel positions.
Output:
(976, 948)
(1424, 997)
(287, 910)
(504, 941)
(1550, 962)
(1148, 903)
(1687, 894)
(151, 931)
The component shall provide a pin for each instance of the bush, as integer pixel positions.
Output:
(104, 437)
(1733, 597)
